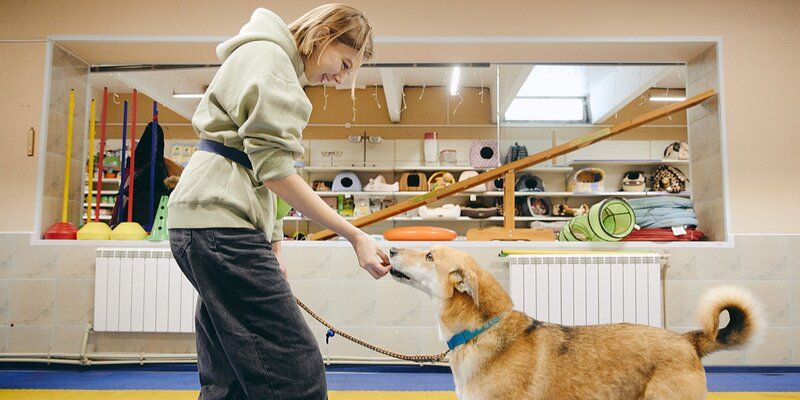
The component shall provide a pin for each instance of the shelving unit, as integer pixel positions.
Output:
(110, 188)
(555, 177)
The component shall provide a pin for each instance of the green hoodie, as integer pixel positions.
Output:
(255, 103)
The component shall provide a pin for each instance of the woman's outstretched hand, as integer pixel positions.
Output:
(370, 256)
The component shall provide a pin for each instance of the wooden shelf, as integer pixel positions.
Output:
(424, 168)
(102, 205)
(102, 217)
(399, 194)
(629, 162)
(546, 169)
(386, 168)
(460, 219)
(630, 194)
(518, 194)
(107, 180)
(102, 192)
(553, 169)
(343, 168)
(590, 194)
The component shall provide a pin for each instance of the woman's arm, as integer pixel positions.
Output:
(296, 192)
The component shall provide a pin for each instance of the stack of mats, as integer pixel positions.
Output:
(656, 216)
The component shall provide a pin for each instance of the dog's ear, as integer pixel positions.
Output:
(465, 282)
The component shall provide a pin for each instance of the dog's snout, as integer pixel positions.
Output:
(392, 252)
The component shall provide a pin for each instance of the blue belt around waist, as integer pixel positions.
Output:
(230, 153)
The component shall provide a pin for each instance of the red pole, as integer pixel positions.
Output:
(100, 155)
(133, 157)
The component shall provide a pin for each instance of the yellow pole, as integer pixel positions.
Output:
(91, 164)
(69, 155)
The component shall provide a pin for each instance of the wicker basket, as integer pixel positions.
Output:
(413, 182)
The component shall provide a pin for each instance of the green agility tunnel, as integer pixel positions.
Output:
(608, 221)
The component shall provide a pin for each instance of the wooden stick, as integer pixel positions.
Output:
(508, 200)
(572, 145)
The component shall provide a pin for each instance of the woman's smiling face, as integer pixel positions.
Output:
(331, 64)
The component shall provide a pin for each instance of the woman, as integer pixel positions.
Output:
(252, 341)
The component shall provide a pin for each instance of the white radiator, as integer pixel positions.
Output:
(141, 290)
(588, 289)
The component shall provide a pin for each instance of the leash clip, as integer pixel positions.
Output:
(329, 335)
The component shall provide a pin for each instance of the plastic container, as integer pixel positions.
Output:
(431, 148)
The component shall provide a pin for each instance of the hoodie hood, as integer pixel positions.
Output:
(264, 25)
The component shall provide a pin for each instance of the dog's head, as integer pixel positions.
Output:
(465, 294)
(439, 271)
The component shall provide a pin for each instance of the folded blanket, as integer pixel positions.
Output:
(660, 201)
(646, 221)
(663, 212)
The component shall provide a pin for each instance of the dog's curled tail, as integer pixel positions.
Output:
(744, 322)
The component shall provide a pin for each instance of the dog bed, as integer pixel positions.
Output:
(447, 211)
(346, 181)
(529, 183)
(477, 210)
(483, 154)
(469, 174)
(413, 182)
(586, 180)
(419, 233)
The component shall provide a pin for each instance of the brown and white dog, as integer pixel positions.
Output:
(521, 358)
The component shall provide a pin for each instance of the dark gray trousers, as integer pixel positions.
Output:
(252, 341)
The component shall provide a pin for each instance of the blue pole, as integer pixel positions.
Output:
(154, 133)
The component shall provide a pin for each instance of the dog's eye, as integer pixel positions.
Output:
(429, 257)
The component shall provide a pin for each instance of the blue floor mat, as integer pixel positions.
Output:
(357, 378)
(752, 382)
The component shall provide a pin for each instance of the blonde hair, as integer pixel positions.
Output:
(346, 24)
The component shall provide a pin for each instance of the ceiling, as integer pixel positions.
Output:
(179, 80)
(161, 84)
(186, 80)
(512, 56)
(99, 50)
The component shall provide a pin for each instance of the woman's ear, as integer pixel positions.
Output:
(465, 282)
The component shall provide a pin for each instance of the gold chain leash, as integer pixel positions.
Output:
(421, 358)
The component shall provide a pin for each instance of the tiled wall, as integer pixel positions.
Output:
(46, 298)
(67, 73)
(705, 144)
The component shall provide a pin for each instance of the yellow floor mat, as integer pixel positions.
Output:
(754, 396)
(37, 394)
